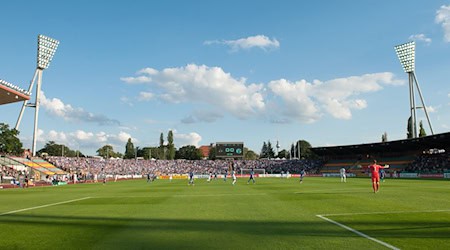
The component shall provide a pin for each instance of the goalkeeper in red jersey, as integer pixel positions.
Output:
(375, 170)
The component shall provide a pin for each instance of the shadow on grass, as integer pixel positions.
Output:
(155, 233)
(385, 228)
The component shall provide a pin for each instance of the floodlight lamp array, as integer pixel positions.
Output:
(14, 87)
(406, 55)
(46, 50)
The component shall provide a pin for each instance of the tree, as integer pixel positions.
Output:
(170, 146)
(249, 154)
(107, 152)
(409, 128)
(9, 142)
(384, 137)
(264, 151)
(267, 151)
(162, 149)
(212, 153)
(189, 153)
(305, 149)
(422, 132)
(54, 149)
(129, 150)
(283, 154)
(148, 152)
(270, 152)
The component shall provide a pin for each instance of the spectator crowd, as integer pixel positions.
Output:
(430, 163)
(99, 166)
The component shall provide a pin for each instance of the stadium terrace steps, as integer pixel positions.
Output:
(7, 162)
(39, 165)
(395, 163)
(48, 166)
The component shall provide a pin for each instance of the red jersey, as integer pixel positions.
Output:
(374, 169)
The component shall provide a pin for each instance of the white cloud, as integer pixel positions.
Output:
(56, 136)
(431, 109)
(282, 102)
(211, 86)
(420, 37)
(258, 41)
(148, 71)
(145, 96)
(186, 139)
(305, 101)
(297, 102)
(56, 107)
(139, 79)
(82, 135)
(443, 18)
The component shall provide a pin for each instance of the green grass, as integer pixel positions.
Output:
(272, 214)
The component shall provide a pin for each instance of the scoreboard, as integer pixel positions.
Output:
(229, 149)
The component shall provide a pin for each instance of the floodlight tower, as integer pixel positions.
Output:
(46, 50)
(406, 55)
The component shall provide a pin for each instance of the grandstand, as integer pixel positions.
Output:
(10, 93)
(38, 168)
(398, 154)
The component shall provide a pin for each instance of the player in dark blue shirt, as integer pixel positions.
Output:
(382, 175)
(191, 178)
(252, 173)
(302, 174)
(225, 175)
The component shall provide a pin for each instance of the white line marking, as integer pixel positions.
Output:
(359, 233)
(389, 212)
(48, 205)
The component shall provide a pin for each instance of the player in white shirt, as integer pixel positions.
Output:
(233, 175)
(343, 175)
(209, 177)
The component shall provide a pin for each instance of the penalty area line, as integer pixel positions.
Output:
(390, 212)
(358, 232)
(42, 206)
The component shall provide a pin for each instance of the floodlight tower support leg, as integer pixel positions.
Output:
(36, 114)
(423, 103)
(412, 104)
(24, 105)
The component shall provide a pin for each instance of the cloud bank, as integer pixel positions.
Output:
(443, 18)
(280, 101)
(58, 108)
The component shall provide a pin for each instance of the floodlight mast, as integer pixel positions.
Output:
(406, 55)
(46, 50)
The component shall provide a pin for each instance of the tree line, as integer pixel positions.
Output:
(11, 144)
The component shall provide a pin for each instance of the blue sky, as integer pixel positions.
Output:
(251, 71)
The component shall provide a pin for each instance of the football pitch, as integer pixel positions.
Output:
(320, 213)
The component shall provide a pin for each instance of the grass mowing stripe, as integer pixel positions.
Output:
(358, 233)
(346, 190)
(178, 195)
(48, 205)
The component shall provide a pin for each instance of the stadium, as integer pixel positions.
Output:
(92, 203)
(370, 195)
